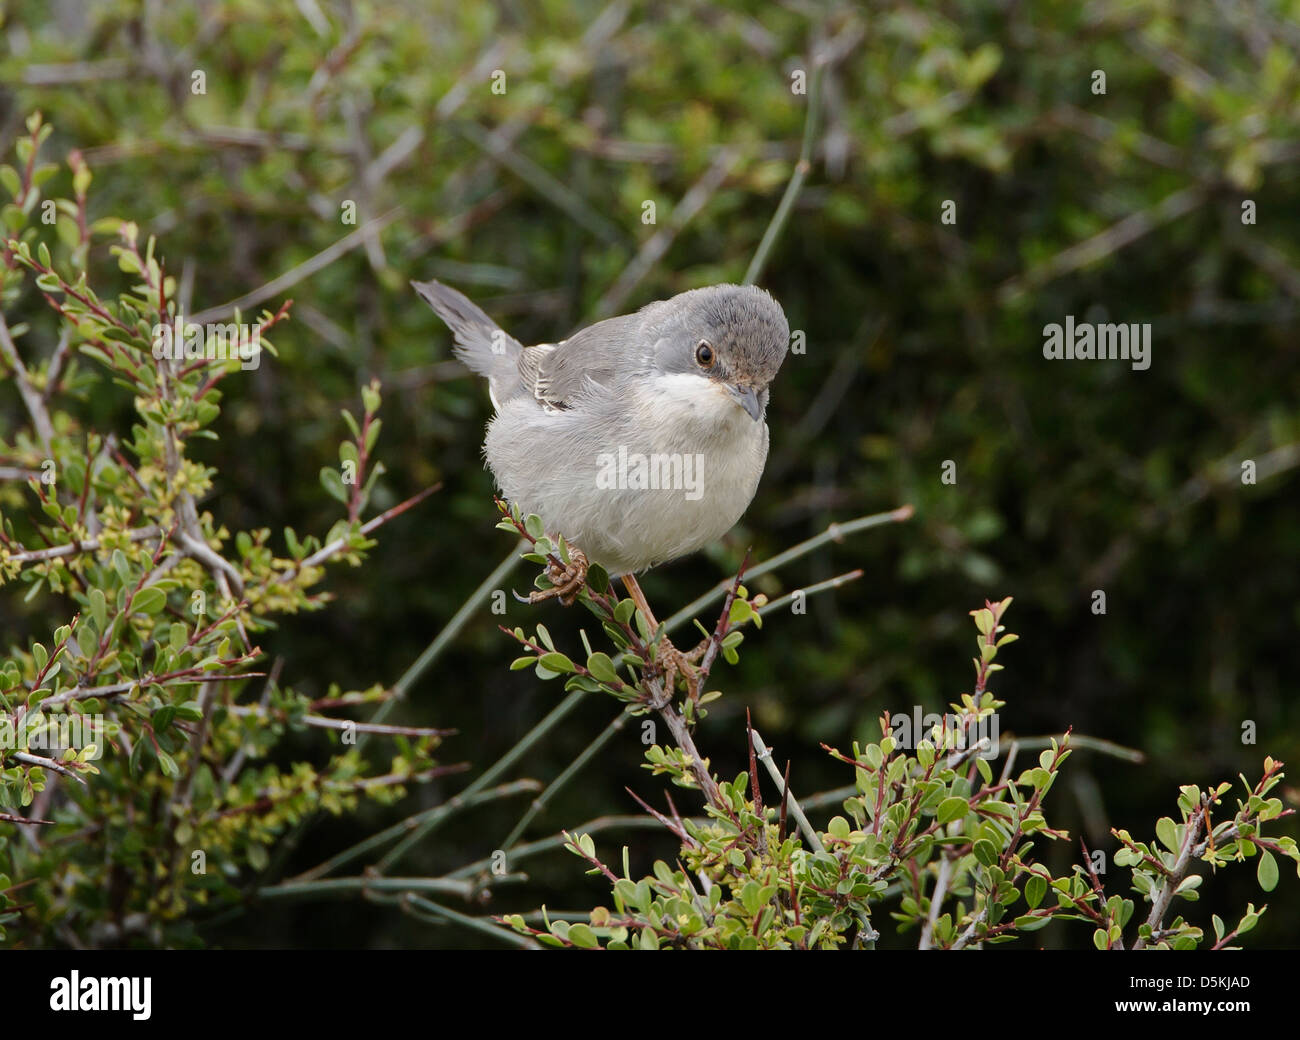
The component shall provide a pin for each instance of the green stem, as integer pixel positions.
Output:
(543, 799)
(429, 817)
(1079, 740)
(421, 826)
(445, 915)
(557, 841)
(333, 886)
(834, 533)
(795, 187)
(443, 639)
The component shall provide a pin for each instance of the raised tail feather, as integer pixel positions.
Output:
(479, 341)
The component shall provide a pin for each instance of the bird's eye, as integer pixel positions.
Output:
(704, 354)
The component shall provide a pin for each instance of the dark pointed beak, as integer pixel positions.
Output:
(747, 399)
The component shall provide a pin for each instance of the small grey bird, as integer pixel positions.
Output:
(640, 438)
(681, 384)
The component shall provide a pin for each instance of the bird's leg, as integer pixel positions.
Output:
(672, 661)
(566, 582)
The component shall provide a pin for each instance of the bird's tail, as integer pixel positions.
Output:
(479, 342)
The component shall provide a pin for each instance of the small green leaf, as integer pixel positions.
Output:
(332, 481)
(557, 662)
(952, 809)
(148, 601)
(602, 668)
(1266, 873)
(582, 936)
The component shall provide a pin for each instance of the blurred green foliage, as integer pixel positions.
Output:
(924, 344)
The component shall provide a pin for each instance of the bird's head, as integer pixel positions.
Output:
(736, 336)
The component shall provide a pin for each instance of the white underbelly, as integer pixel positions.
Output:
(676, 474)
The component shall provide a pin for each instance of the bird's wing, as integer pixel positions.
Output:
(587, 362)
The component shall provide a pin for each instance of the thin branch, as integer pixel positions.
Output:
(811, 590)
(10, 818)
(344, 725)
(936, 900)
(350, 885)
(337, 546)
(802, 167)
(47, 763)
(834, 533)
(302, 271)
(32, 398)
(1104, 243)
(724, 622)
(410, 902)
(695, 199)
(1174, 877)
(554, 191)
(429, 817)
(764, 754)
(542, 800)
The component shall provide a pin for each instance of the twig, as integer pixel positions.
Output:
(32, 398)
(325, 552)
(811, 590)
(478, 924)
(186, 677)
(936, 900)
(695, 199)
(345, 725)
(428, 819)
(55, 370)
(802, 167)
(299, 889)
(10, 818)
(302, 271)
(47, 763)
(1173, 876)
(555, 192)
(66, 73)
(764, 754)
(675, 825)
(542, 800)
(834, 533)
(724, 622)
(1111, 240)
(236, 763)
(1105, 747)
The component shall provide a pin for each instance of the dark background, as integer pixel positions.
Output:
(923, 345)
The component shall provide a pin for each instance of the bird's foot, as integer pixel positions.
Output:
(566, 581)
(673, 662)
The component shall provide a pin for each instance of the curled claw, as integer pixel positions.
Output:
(566, 582)
(669, 661)
(674, 662)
